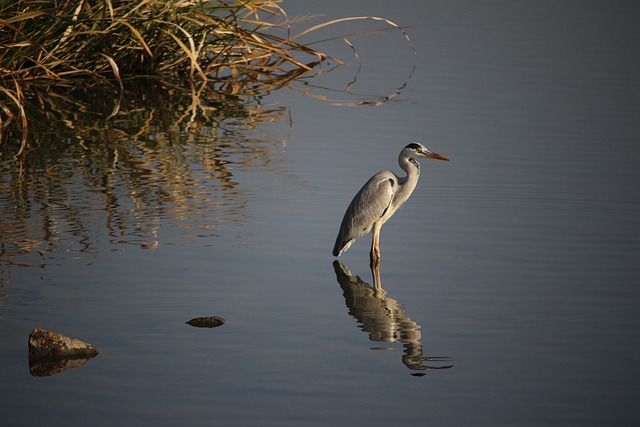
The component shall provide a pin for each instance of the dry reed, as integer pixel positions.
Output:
(235, 44)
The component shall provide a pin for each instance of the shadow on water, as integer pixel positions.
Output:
(384, 318)
(50, 367)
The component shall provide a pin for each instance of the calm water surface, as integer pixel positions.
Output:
(512, 272)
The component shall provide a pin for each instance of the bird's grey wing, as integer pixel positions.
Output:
(370, 204)
(367, 207)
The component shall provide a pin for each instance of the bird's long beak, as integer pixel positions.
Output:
(436, 156)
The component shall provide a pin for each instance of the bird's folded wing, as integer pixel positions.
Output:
(370, 204)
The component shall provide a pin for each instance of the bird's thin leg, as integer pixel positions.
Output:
(375, 245)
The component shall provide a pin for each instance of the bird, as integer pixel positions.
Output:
(379, 199)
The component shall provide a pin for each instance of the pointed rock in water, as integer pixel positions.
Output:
(51, 345)
(206, 322)
(51, 353)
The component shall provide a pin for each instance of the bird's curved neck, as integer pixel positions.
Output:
(411, 166)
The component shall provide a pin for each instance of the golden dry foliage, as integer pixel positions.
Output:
(235, 47)
(56, 39)
(234, 43)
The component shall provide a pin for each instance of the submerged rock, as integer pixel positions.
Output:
(51, 353)
(206, 322)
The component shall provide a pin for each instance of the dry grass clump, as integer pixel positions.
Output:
(233, 46)
(57, 39)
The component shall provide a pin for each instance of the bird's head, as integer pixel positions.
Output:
(419, 150)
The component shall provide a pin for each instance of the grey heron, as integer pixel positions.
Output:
(379, 199)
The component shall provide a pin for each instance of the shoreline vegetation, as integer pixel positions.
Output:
(211, 48)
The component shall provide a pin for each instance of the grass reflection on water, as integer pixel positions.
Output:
(157, 153)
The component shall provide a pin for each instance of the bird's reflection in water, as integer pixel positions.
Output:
(384, 318)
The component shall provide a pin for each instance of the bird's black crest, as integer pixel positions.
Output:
(414, 146)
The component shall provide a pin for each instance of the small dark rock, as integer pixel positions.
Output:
(206, 322)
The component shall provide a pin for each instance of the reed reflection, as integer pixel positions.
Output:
(384, 318)
(121, 171)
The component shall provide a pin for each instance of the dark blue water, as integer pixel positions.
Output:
(515, 263)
